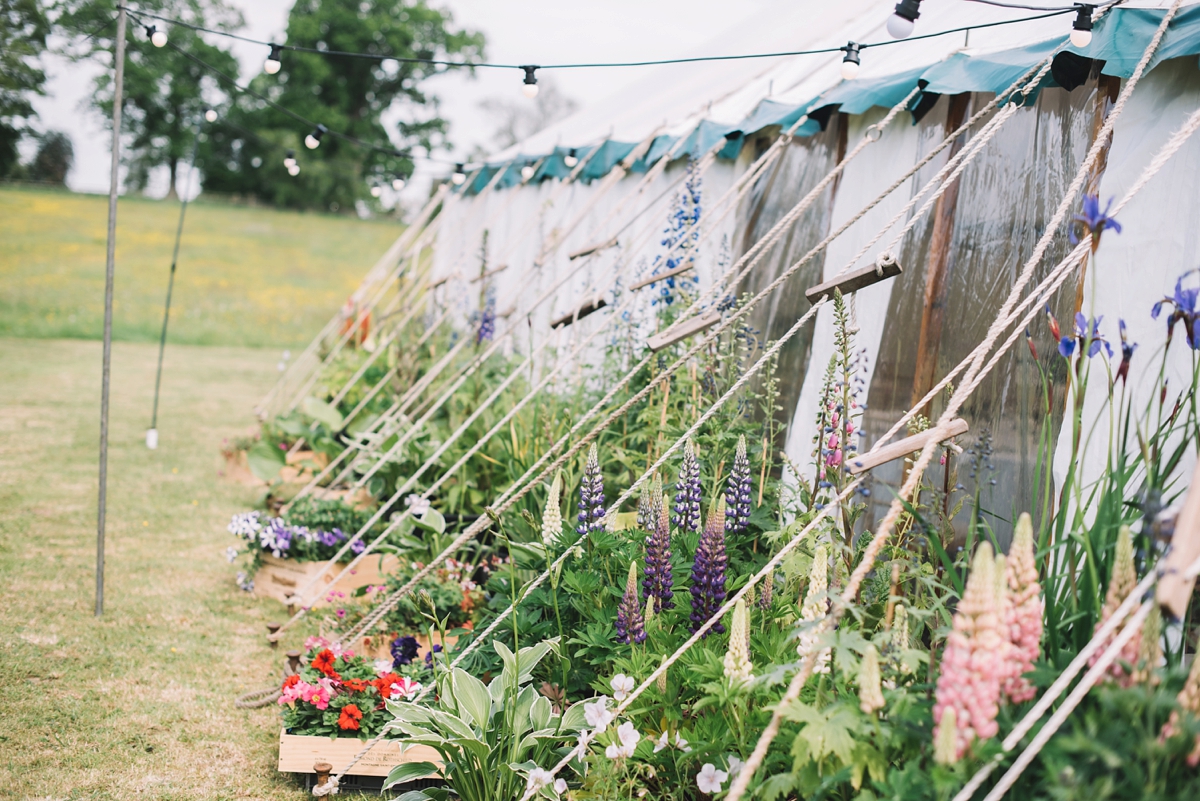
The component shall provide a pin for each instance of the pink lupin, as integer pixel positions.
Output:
(1023, 614)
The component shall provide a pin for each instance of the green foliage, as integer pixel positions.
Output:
(22, 41)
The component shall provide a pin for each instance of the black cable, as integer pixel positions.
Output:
(601, 64)
(1000, 4)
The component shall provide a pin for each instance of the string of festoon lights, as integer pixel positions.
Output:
(901, 25)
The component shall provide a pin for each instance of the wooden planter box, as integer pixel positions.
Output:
(298, 753)
(282, 578)
(380, 647)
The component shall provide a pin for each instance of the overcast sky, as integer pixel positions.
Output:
(521, 31)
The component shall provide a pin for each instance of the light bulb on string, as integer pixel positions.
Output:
(530, 87)
(376, 190)
(397, 183)
(570, 159)
(293, 169)
(210, 114)
(1081, 29)
(313, 140)
(851, 62)
(289, 160)
(273, 63)
(527, 171)
(900, 25)
(157, 38)
(460, 175)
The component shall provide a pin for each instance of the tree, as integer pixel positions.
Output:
(245, 152)
(23, 29)
(165, 91)
(54, 158)
(516, 120)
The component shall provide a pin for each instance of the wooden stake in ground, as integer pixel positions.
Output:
(109, 269)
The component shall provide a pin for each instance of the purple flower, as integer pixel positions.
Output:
(1066, 345)
(276, 537)
(631, 623)
(1183, 307)
(649, 504)
(737, 491)
(656, 576)
(487, 321)
(708, 571)
(404, 651)
(766, 592)
(437, 649)
(687, 492)
(1094, 220)
(591, 495)
(1126, 353)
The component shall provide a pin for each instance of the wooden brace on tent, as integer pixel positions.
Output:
(594, 305)
(1175, 586)
(683, 330)
(886, 266)
(905, 446)
(590, 249)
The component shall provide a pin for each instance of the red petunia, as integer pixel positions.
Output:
(384, 684)
(349, 718)
(355, 685)
(290, 681)
(324, 662)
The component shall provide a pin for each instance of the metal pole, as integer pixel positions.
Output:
(109, 269)
(152, 434)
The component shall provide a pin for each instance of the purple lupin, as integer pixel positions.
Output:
(591, 495)
(656, 576)
(687, 492)
(708, 572)
(737, 491)
(631, 623)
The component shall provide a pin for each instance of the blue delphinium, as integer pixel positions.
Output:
(404, 651)
(591, 495)
(687, 492)
(708, 572)
(680, 238)
(1183, 309)
(656, 574)
(737, 491)
(487, 320)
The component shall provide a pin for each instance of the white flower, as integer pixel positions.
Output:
(622, 686)
(231, 553)
(560, 786)
(597, 715)
(709, 779)
(419, 505)
(383, 667)
(539, 778)
(735, 765)
(662, 742)
(628, 737)
(682, 744)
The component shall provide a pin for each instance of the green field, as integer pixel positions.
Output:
(246, 276)
(139, 703)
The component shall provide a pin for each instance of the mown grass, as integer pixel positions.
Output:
(246, 276)
(138, 703)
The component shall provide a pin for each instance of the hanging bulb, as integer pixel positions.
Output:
(460, 175)
(900, 25)
(530, 87)
(376, 190)
(1081, 30)
(272, 64)
(397, 184)
(313, 140)
(527, 171)
(293, 169)
(851, 63)
(571, 159)
(157, 38)
(290, 159)
(210, 114)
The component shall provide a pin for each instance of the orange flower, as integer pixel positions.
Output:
(349, 718)
(384, 684)
(355, 685)
(291, 681)
(324, 662)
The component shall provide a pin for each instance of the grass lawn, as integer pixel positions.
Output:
(139, 703)
(246, 276)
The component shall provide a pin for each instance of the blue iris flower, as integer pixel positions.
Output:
(1183, 308)
(1066, 345)
(1094, 220)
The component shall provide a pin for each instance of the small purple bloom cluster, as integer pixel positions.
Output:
(591, 495)
(631, 623)
(737, 491)
(687, 492)
(404, 651)
(656, 573)
(708, 572)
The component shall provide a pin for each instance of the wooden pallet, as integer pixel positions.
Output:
(282, 578)
(298, 753)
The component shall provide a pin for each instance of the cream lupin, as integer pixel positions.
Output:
(814, 607)
(552, 514)
(870, 683)
(738, 668)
